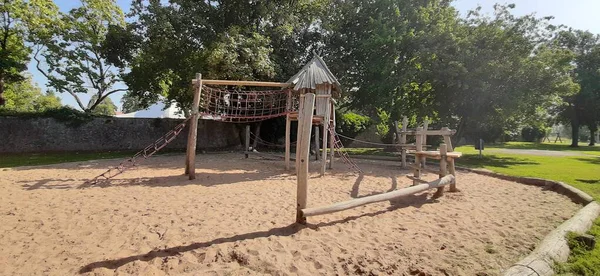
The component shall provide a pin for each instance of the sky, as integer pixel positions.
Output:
(578, 14)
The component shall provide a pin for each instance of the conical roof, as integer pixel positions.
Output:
(313, 73)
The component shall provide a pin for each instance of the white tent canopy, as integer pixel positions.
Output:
(156, 110)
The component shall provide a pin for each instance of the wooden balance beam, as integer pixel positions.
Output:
(345, 205)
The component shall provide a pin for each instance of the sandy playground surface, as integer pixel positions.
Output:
(237, 218)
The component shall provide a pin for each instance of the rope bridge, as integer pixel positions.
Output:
(242, 106)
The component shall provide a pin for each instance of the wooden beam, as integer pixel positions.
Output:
(302, 154)
(430, 132)
(331, 137)
(443, 168)
(325, 134)
(315, 211)
(244, 83)
(190, 165)
(317, 143)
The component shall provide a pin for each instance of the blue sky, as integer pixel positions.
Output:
(579, 14)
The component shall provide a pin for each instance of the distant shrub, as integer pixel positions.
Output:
(533, 133)
(351, 124)
(69, 116)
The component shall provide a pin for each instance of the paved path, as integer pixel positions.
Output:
(538, 152)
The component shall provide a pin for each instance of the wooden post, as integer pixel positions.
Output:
(317, 146)
(190, 165)
(288, 126)
(403, 140)
(451, 168)
(247, 144)
(443, 168)
(417, 169)
(302, 153)
(331, 136)
(325, 135)
(256, 136)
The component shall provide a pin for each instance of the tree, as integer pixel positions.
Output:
(581, 108)
(169, 43)
(20, 20)
(72, 58)
(25, 96)
(106, 107)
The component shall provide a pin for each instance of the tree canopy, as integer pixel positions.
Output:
(25, 96)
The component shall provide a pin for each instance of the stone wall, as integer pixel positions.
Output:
(19, 135)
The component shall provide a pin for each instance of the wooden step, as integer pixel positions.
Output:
(415, 179)
(416, 167)
(437, 154)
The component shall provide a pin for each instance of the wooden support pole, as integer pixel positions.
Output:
(417, 171)
(302, 153)
(403, 141)
(331, 137)
(451, 168)
(256, 136)
(424, 137)
(288, 127)
(317, 143)
(315, 211)
(443, 168)
(325, 136)
(190, 165)
(247, 142)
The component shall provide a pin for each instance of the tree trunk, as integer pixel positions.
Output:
(2, 101)
(593, 131)
(574, 133)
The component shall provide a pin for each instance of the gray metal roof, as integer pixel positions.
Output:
(313, 73)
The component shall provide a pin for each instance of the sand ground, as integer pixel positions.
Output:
(237, 218)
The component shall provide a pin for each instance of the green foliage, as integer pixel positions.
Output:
(71, 57)
(106, 107)
(351, 124)
(383, 124)
(25, 96)
(533, 133)
(582, 261)
(20, 20)
(68, 115)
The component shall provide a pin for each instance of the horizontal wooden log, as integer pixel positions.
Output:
(244, 83)
(437, 154)
(309, 212)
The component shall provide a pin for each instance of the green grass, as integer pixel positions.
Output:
(34, 159)
(582, 261)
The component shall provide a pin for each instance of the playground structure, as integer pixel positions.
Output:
(306, 98)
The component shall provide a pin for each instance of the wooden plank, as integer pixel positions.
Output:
(430, 132)
(315, 211)
(302, 154)
(436, 154)
(443, 168)
(331, 137)
(415, 179)
(193, 132)
(325, 135)
(244, 83)
(288, 127)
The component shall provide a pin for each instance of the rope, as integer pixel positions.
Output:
(243, 106)
(366, 142)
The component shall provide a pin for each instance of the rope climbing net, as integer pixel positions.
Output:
(242, 106)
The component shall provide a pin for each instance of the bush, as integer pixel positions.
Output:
(533, 133)
(351, 124)
(69, 116)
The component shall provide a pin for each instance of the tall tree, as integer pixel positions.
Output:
(582, 108)
(20, 20)
(169, 43)
(106, 107)
(72, 58)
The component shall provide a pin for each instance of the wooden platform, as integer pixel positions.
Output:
(316, 120)
(436, 154)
